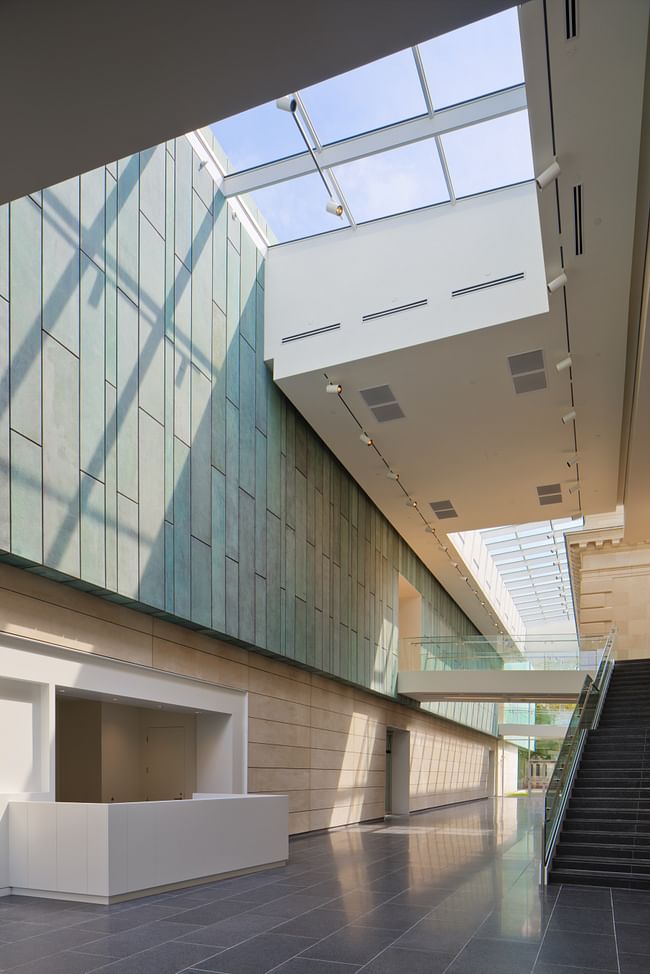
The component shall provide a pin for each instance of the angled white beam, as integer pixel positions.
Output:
(390, 137)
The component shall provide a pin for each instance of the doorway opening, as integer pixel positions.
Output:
(398, 768)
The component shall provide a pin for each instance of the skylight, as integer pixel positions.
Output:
(532, 562)
(426, 125)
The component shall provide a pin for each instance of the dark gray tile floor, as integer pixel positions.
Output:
(453, 891)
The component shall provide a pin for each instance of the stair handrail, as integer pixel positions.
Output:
(585, 717)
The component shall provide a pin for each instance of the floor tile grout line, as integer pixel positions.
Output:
(618, 960)
(541, 943)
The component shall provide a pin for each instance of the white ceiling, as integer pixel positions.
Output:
(467, 437)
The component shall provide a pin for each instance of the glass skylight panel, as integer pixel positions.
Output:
(260, 135)
(366, 98)
(490, 154)
(393, 182)
(475, 60)
(296, 208)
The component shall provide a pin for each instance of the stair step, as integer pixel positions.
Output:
(594, 877)
(619, 815)
(616, 840)
(601, 850)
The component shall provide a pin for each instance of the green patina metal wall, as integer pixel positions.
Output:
(144, 449)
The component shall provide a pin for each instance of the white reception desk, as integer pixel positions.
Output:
(99, 853)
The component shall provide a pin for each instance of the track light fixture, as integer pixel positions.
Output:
(334, 208)
(569, 417)
(566, 363)
(548, 175)
(411, 503)
(365, 439)
(429, 529)
(556, 283)
(334, 388)
(392, 475)
(571, 462)
(574, 488)
(287, 104)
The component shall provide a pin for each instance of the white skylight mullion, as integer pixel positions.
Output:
(390, 137)
(422, 75)
(445, 168)
(318, 146)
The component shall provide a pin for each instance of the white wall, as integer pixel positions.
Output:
(425, 254)
(507, 768)
(474, 554)
(214, 753)
(20, 736)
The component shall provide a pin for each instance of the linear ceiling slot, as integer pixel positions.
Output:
(309, 334)
(577, 218)
(519, 276)
(396, 310)
(443, 509)
(571, 12)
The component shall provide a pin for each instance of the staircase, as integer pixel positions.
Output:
(605, 837)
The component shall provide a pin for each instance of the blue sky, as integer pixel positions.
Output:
(473, 61)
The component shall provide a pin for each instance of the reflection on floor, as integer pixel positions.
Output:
(455, 890)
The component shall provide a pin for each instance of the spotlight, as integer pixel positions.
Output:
(566, 363)
(569, 417)
(557, 283)
(365, 439)
(392, 475)
(546, 177)
(574, 488)
(429, 529)
(334, 208)
(571, 462)
(287, 104)
(411, 503)
(334, 388)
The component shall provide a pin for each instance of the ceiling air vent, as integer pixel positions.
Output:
(382, 403)
(527, 371)
(309, 334)
(395, 311)
(519, 276)
(577, 218)
(571, 12)
(549, 494)
(443, 509)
